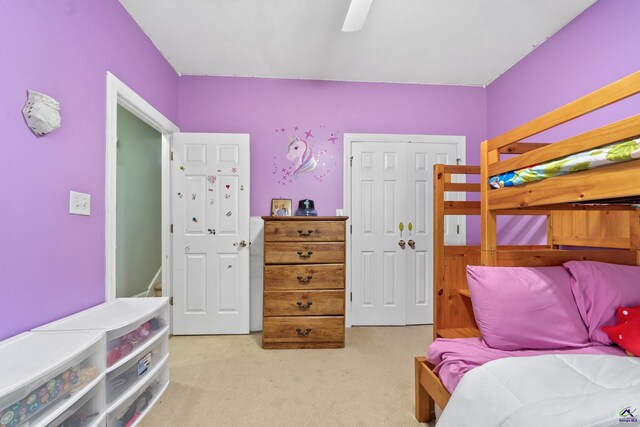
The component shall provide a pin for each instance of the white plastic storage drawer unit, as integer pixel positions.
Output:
(44, 375)
(137, 342)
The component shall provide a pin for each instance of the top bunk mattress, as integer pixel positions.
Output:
(455, 357)
(618, 152)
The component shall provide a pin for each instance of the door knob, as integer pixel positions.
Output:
(242, 243)
(402, 243)
(412, 244)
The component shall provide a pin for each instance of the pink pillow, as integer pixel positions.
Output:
(599, 289)
(526, 307)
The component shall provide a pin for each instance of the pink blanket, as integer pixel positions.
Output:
(455, 357)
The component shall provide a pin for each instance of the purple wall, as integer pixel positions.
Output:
(598, 47)
(264, 107)
(53, 263)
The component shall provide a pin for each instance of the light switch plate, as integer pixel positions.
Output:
(79, 203)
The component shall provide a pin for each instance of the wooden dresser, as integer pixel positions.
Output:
(304, 275)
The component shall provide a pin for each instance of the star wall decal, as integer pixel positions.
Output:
(308, 134)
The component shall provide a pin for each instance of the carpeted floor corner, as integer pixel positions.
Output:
(232, 381)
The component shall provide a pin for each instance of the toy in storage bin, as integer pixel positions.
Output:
(126, 375)
(88, 411)
(43, 375)
(128, 411)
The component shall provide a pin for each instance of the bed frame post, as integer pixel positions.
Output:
(438, 239)
(425, 407)
(488, 218)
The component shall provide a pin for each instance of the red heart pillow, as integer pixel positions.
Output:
(626, 335)
(627, 314)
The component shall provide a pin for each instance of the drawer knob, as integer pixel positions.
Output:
(305, 233)
(305, 256)
(304, 280)
(305, 333)
(304, 306)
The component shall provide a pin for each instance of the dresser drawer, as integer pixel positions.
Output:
(303, 329)
(312, 231)
(280, 277)
(311, 303)
(303, 253)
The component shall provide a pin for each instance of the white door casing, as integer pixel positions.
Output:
(210, 194)
(368, 278)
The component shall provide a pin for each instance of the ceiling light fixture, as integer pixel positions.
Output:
(356, 15)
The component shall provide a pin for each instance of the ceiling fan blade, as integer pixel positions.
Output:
(356, 15)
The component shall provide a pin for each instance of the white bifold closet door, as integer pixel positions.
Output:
(392, 220)
(210, 214)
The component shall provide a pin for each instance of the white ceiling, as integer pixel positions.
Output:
(463, 42)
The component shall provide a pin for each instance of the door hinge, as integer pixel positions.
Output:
(170, 300)
(457, 229)
(172, 155)
(351, 296)
(171, 228)
(351, 161)
(350, 228)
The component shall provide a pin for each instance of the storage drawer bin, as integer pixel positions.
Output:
(42, 375)
(133, 406)
(86, 412)
(129, 324)
(134, 370)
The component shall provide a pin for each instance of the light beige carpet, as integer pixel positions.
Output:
(232, 381)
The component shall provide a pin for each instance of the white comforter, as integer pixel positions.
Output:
(554, 390)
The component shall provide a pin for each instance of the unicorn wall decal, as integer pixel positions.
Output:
(299, 151)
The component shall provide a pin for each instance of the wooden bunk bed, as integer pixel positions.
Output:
(453, 314)
(601, 223)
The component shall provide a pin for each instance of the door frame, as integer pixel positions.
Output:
(120, 94)
(352, 138)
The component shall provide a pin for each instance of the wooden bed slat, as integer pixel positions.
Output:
(459, 333)
(618, 131)
(455, 186)
(462, 169)
(521, 147)
(619, 180)
(473, 208)
(551, 257)
(609, 94)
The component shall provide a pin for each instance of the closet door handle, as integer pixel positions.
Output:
(305, 256)
(305, 333)
(304, 280)
(305, 234)
(412, 244)
(304, 306)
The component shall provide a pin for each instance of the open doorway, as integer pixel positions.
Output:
(138, 208)
(138, 214)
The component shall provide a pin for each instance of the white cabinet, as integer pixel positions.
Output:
(137, 353)
(51, 379)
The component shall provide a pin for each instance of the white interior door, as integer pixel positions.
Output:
(379, 262)
(392, 264)
(210, 204)
(421, 157)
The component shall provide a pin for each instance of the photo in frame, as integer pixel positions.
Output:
(280, 207)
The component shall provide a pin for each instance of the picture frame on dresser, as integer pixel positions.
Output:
(304, 282)
(281, 207)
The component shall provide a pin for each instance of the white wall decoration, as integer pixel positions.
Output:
(42, 113)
